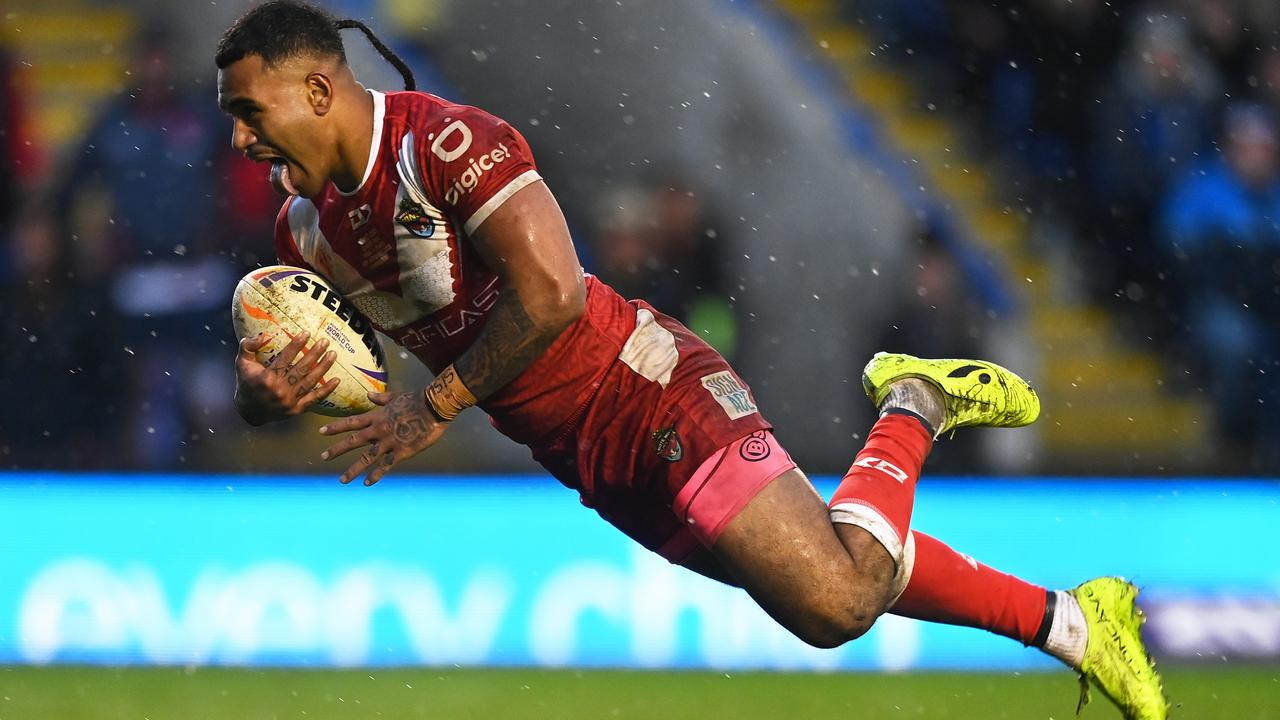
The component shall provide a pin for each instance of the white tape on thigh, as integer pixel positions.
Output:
(860, 515)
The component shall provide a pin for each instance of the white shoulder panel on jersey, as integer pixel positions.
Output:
(422, 236)
(410, 173)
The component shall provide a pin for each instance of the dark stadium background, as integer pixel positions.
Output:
(1088, 192)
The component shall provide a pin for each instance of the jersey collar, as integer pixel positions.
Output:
(379, 112)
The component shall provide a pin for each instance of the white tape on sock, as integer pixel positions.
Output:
(857, 514)
(903, 576)
(1068, 632)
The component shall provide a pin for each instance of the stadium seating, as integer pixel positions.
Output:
(1105, 401)
(78, 55)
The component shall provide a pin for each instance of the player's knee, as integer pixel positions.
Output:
(836, 631)
(833, 624)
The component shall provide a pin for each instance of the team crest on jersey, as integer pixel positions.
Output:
(667, 443)
(413, 218)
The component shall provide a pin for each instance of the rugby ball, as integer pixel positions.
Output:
(283, 301)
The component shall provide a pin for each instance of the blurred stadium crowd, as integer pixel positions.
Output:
(119, 256)
(1141, 137)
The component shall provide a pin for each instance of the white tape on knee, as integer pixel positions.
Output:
(860, 515)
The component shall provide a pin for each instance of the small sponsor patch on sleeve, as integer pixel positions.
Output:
(732, 395)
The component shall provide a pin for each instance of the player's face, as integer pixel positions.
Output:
(274, 120)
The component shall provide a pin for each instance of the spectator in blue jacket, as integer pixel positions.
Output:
(159, 244)
(1221, 227)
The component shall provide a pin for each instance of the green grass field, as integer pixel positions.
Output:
(160, 694)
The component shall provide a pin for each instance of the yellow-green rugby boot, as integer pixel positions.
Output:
(1115, 659)
(975, 392)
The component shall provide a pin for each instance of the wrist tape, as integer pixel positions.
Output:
(447, 396)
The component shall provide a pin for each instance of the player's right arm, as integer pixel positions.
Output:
(286, 384)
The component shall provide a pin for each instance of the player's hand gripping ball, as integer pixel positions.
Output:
(278, 312)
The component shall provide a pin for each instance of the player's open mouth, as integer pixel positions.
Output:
(280, 179)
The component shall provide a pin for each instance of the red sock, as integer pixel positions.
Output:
(883, 477)
(948, 587)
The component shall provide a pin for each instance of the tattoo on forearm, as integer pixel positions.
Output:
(508, 343)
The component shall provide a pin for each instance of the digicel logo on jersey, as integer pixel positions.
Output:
(458, 135)
(471, 176)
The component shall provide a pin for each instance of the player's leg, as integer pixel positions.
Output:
(702, 561)
(948, 587)
(826, 584)
(776, 549)
(827, 581)
(945, 586)
(1094, 628)
(933, 582)
(764, 528)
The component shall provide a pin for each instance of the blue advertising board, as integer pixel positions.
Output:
(244, 570)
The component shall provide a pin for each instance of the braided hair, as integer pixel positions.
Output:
(284, 29)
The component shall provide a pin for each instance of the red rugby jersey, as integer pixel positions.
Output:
(398, 248)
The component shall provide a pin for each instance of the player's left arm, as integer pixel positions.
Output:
(526, 243)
